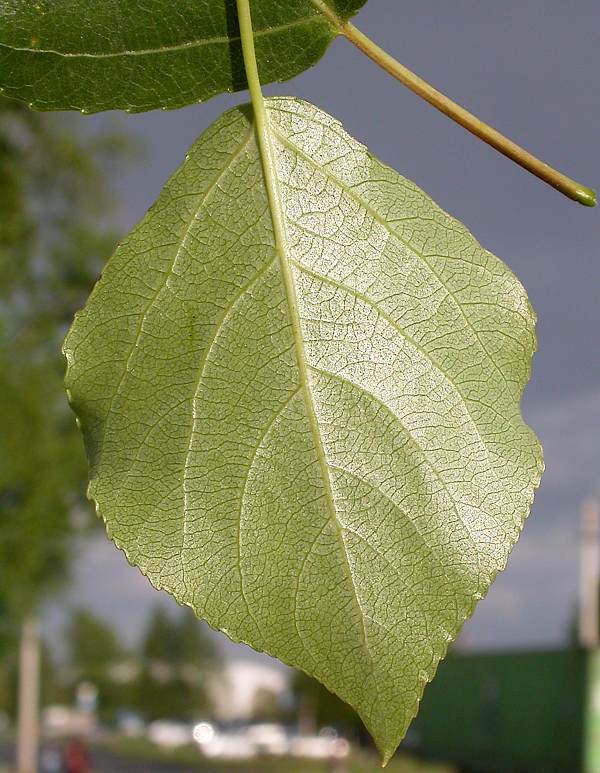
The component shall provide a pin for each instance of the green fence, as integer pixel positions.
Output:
(524, 712)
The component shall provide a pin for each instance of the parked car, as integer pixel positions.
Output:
(319, 747)
(267, 739)
(170, 734)
(130, 724)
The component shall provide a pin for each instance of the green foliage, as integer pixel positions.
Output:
(144, 54)
(299, 388)
(176, 642)
(177, 658)
(93, 646)
(53, 237)
(51, 689)
(95, 654)
(165, 675)
(40, 472)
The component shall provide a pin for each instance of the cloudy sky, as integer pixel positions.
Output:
(532, 70)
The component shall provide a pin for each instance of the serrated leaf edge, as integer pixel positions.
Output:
(412, 710)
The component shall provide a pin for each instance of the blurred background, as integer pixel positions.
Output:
(131, 682)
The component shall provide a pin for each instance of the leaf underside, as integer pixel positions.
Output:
(144, 54)
(334, 474)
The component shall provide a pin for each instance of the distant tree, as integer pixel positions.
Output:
(194, 648)
(95, 655)
(52, 687)
(177, 658)
(160, 643)
(316, 707)
(93, 646)
(55, 234)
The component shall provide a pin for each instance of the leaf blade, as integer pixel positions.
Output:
(341, 500)
(136, 56)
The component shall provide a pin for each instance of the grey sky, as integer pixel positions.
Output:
(531, 69)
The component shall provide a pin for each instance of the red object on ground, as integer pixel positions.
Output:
(75, 758)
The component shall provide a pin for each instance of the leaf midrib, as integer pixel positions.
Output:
(226, 39)
(393, 232)
(412, 342)
(265, 150)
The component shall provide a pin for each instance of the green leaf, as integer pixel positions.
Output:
(144, 54)
(312, 439)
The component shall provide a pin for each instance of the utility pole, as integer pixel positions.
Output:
(589, 569)
(28, 711)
